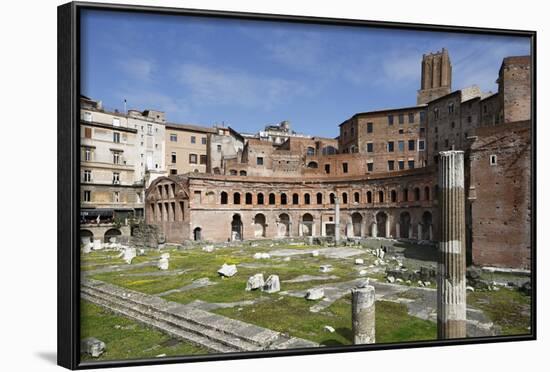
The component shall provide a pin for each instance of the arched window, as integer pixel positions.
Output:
(345, 198)
(319, 198)
(369, 197)
(232, 172)
(271, 198)
(380, 196)
(283, 198)
(248, 198)
(223, 197)
(295, 199)
(331, 198)
(416, 194)
(405, 194)
(260, 198)
(393, 196)
(426, 193)
(356, 197)
(312, 165)
(236, 198)
(310, 151)
(242, 173)
(329, 150)
(307, 199)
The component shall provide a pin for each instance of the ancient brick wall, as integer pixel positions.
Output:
(259, 207)
(499, 195)
(515, 88)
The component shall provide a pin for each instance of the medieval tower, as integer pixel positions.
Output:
(436, 76)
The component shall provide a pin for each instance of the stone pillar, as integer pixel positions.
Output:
(349, 230)
(451, 279)
(336, 219)
(398, 230)
(419, 232)
(362, 315)
(430, 232)
(410, 230)
(388, 232)
(374, 230)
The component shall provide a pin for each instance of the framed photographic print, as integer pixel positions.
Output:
(236, 185)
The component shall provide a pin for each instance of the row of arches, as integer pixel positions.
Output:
(404, 195)
(87, 236)
(354, 225)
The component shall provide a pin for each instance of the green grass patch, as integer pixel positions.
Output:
(292, 316)
(507, 308)
(127, 339)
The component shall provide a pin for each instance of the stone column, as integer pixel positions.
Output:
(336, 219)
(419, 232)
(398, 230)
(374, 230)
(451, 280)
(362, 315)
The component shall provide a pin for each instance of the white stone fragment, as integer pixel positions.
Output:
(272, 284)
(259, 256)
(92, 346)
(325, 268)
(315, 294)
(329, 329)
(128, 255)
(315, 253)
(391, 279)
(227, 270)
(359, 261)
(97, 245)
(208, 248)
(470, 289)
(163, 263)
(256, 281)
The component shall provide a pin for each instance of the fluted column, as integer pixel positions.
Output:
(451, 281)
(336, 219)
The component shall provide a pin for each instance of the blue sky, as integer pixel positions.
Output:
(248, 73)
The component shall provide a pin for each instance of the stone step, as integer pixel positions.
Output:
(254, 337)
(258, 336)
(172, 321)
(172, 331)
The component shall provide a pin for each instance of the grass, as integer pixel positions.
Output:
(393, 324)
(127, 339)
(507, 308)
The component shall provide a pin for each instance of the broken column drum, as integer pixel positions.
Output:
(363, 315)
(451, 279)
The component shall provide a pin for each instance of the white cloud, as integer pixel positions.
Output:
(215, 86)
(174, 107)
(137, 68)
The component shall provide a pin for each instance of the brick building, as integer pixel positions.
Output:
(381, 169)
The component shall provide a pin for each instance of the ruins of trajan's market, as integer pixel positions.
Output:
(280, 240)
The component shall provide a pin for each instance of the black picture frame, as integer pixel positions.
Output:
(68, 345)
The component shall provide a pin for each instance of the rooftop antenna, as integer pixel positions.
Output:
(125, 112)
